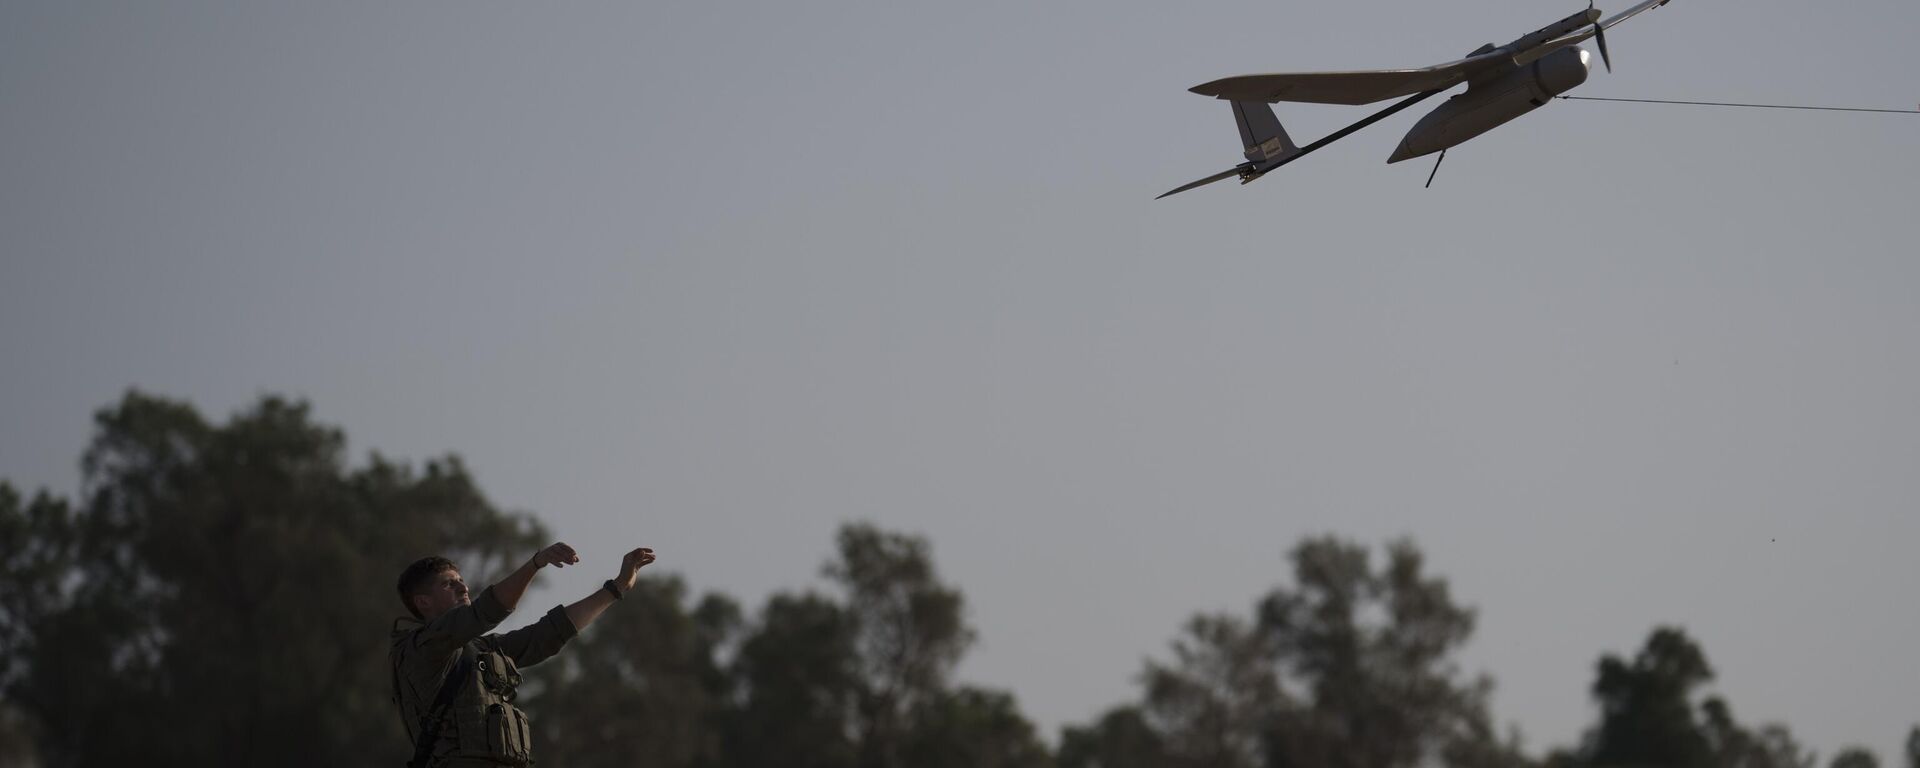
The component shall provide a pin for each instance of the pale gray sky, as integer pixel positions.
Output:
(718, 276)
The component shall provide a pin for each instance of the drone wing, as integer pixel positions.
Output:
(1368, 86)
(1528, 57)
(1360, 87)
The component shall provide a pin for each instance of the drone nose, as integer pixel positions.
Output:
(1402, 152)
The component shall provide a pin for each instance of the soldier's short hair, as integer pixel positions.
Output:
(417, 577)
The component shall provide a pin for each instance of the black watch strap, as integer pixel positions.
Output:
(613, 589)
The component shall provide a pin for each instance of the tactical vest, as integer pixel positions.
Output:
(484, 721)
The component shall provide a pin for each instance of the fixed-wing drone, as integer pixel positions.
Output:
(1503, 83)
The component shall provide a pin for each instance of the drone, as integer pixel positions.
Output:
(1503, 83)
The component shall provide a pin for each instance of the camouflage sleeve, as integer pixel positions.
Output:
(450, 631)
(539, 641)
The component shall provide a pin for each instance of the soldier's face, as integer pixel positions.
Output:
(448, 591)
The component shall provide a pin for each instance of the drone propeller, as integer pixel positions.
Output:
(1600, 35)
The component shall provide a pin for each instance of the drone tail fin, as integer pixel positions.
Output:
(1268, 145)
(1260, 131)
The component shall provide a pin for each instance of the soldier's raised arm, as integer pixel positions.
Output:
(451, 619)
(539, 641)
(583, 611)
(515, 584)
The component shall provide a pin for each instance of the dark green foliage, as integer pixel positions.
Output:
(214, 597)
(1211, 704)
(1477, 746)
(1348, 668)
(1771, 746)
(1378, 692)
(38, 543)
(1855, 757)
(222, 591)
(1121, 739)
(798, 687)
(908, 635)
(1649, 717)
(973, 728)
(814, 681)
(641, 681)
(1647, 706)
(908, 631)
(17, 747)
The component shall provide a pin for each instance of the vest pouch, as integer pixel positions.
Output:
(499, 675)
(507, 737)
(526, 733)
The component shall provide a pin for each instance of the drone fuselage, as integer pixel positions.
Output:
(1493, 101)
(1503, 82)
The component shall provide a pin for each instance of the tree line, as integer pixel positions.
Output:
(219, 593)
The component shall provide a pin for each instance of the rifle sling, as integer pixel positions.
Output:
(430, 722)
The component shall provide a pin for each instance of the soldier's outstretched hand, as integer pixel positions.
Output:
(631, 564)
(559, 555)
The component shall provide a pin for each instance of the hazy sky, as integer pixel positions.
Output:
(717, 276)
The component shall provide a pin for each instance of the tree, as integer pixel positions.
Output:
(37, 548)
(973, 728)
(1211, 704)
(1649, 717)
(1477, 746)
(222, 591)
(220, 594)
(797, 682)
(1349, 667)
(1371, 651)
(1120, 739)
(1647, 710)
(863, 681)
(1855, 757)
(644, 681)
(908, 634)
(1735, 746)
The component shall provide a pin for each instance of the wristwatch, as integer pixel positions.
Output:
(613, 589)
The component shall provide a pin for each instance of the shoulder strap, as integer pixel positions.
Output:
(430, 722)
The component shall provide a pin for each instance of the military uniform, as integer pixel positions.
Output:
(481, 727)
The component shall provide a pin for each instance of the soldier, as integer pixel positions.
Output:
(455, 685)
